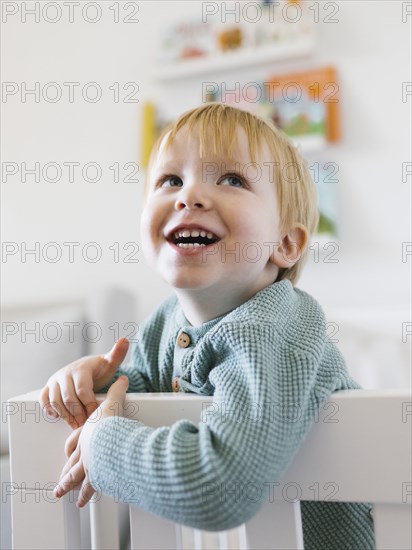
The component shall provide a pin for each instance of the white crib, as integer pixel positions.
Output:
(360, 446)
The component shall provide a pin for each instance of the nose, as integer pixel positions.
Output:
(193, 197)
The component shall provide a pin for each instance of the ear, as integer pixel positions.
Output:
(291, 248)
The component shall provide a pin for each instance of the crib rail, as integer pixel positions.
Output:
(358, 450)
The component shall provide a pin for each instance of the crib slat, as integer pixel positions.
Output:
(148, 531)
(233, 539)
(393, 526)
(223, 540)
(109, 523)
(277, 526)
(242, 537)
(198, 543)
(104, 523)
(50, 525)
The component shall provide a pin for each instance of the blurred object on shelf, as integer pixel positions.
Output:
(211, 95)
(305, 105)
(324, 177)
(187, 40)
(154, 121)
(283, 22)
(149, 131)
(230, 39)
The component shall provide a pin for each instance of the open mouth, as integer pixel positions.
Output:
(192, 238)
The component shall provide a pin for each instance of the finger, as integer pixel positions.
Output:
(56, 401)
(114, 403)
(45, 403)
(105, 370)
(118, 352)
(71, 401)
(83, 384)
(86, 493)
(117, 391)
(73, 459)
(44, 397)
(71, 480)
(71, 442)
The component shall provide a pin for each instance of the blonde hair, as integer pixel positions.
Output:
(216, 125)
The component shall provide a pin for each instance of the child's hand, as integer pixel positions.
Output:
(69, 393)
(76, 469)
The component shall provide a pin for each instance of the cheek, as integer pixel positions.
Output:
(250, 227)
(144, 220)
(146, 223)
(152, 225)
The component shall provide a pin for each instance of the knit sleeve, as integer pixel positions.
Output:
(216, 475)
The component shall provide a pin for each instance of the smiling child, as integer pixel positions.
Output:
(229, 212)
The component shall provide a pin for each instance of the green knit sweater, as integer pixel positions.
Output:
(271, 352)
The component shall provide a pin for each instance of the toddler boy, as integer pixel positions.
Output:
(229, 212)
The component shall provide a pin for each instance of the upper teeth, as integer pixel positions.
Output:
(193, 233)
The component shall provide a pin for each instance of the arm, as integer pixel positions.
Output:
(217, 474)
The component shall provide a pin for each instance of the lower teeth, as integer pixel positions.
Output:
(189, 245)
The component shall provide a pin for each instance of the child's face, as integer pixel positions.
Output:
(235, 201)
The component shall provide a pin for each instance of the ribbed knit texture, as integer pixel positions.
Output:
(269, 366)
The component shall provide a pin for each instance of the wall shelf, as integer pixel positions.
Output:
(241, 58)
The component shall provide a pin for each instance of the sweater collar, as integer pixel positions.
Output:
(276, 297)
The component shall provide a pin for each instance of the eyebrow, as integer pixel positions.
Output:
(169, 165)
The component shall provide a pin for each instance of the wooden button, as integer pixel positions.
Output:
(183, 340)
(176, 384)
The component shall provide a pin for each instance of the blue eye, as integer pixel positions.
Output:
(234, 181)
(171, 181)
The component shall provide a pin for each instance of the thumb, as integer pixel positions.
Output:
(118, 352)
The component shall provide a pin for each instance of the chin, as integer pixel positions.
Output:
(188, 281)
(187, 285)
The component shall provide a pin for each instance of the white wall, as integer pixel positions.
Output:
(370, 45)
